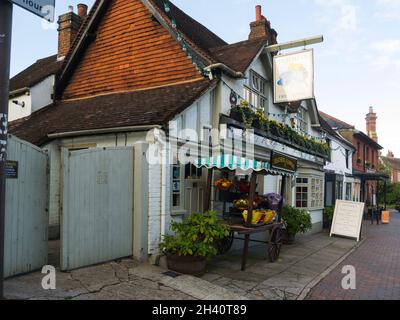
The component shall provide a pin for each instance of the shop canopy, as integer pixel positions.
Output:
(241, 164)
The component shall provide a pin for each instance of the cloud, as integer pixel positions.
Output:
(385, 54)
(388, 9)
(347, 14)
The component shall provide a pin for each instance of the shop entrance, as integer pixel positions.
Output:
(195, 185)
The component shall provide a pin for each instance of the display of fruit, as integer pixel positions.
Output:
(243, 204)
(260, 216)
(223, 184)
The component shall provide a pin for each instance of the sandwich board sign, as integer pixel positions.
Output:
(347, 219)
(42, 8)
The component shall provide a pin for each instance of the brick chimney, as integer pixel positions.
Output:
(261, 28)
(371, 124)
(390, 155)
(68, 27)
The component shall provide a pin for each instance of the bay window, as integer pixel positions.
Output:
(309, 192)
(255, 91)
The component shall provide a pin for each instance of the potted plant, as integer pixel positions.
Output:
(243, 113)
(328, 217)
(193, 243)
(297, 221)
(261, 120)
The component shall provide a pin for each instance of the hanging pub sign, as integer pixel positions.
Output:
(11, 169)
(42, 8)
(294, 77)
(282, 162)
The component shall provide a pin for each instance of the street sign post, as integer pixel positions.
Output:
(42, 8)
(5, 55)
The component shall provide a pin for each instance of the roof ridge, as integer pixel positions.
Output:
(324, 114)
(258, 40)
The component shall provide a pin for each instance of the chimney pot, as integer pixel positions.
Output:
(82, 10)
(258, 13)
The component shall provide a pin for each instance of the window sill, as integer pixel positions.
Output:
(177, 212)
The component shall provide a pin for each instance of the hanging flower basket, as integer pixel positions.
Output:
(236, 114)
(223, 184)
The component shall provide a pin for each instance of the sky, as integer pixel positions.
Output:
(357, 66)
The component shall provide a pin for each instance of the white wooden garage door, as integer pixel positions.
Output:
(97, 206)
(27, 218)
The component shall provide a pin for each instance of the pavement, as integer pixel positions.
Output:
(299, 267)
(119, 280)
(377, 266)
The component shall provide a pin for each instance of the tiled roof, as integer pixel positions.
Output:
(328, 129)
(35, 73)
(238, 56)
(199, 34)
(334, 122)
(394, 163)
(150, 107)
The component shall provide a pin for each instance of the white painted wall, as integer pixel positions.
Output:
(39, 96)
(42, 93)
(17, 111)
(338, 159)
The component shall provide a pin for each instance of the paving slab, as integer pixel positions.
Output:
(298, 266)
(377, 265)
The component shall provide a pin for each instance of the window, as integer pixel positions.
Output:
(192, 172)
(372, 157)
(347, 158)
(348, 191)
(302, 124)
(317, 193)
(359, 149)
(309, 192)
(302, 192)
(339, 190)
(176, 186)
(255, 92)
(367, 154)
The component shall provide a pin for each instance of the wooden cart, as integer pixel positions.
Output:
(274, 242)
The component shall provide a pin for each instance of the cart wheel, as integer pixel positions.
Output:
(275, 244)
(224, 245)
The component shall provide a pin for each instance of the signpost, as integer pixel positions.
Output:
(347, 219)
(294, 77)
(44, 9)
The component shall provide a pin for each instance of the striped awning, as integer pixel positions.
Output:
(236, 163)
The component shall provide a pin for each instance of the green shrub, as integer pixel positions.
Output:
(298, 220)
(329, 211)
(195, 236)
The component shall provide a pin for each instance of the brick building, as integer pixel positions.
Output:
(366, 156)
(393, 164)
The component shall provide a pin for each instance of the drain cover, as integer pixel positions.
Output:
(171, 274)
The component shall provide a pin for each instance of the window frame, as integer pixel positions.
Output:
(302, 120)
(250, 92)
(315, 191)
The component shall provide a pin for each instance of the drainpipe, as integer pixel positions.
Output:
(224, 67)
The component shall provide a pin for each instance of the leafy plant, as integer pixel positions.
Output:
(284, 131)
(195, 236)
(298, 220)
(329, 211)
